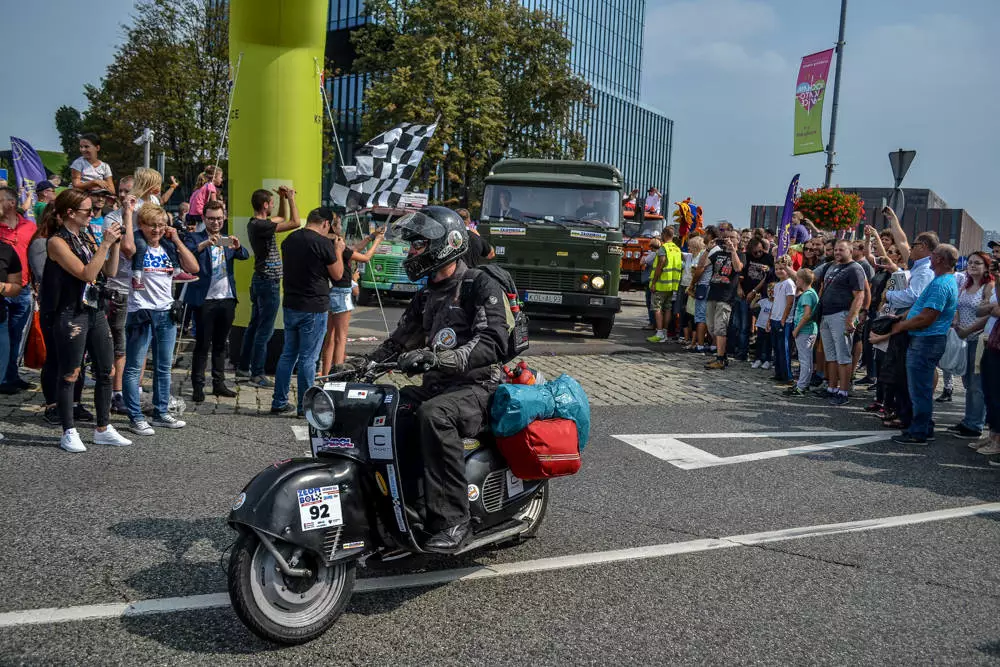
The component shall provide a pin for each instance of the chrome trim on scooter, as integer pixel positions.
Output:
(492, 495)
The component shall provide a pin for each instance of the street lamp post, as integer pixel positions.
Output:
(830, 148)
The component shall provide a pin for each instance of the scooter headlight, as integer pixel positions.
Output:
(319, 410)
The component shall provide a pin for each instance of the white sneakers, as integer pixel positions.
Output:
(755, 364)
(110, 437)
(766, 365)
(71, 441)
(140, 427)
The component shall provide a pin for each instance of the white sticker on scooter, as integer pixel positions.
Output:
(320, 507)
(335, 386)
(515, 485)
(380, 443)
(473, 493)
(399, 517)
(357, 393)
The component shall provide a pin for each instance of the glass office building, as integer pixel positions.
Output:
(607, 37)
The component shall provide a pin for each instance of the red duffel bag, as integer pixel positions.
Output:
(547, 448)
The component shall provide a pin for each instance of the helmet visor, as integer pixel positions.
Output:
(416, 225)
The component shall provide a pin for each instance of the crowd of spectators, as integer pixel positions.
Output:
(114, 276)
(877, 314)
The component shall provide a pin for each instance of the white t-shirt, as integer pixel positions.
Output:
(158, 278)
(782, 291)
(89, 172)
(765, 312)
(990, 323)
(219, 287)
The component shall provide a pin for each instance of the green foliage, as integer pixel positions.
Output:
(497, 74)
(170, 74)
(69, 124)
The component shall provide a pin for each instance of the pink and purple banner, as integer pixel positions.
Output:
(809, 94)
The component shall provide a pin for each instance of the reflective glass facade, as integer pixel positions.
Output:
(607, 38)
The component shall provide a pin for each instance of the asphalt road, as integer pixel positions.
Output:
(147, 522)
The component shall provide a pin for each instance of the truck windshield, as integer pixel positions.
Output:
(554, 205)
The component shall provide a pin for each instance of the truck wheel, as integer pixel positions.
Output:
(602, 328)
(364, 296)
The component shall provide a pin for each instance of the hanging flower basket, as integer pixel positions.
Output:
(831, 209)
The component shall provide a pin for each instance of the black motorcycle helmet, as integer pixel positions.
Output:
(442, 233)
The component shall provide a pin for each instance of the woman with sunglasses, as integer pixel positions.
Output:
(72, 296)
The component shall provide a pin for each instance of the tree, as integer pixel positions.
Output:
(69, 124)
(171, 74)
(496, 74)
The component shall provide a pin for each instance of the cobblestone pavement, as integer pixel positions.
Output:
(656, 376)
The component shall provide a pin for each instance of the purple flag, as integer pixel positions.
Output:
(29, 170)
(785, 229)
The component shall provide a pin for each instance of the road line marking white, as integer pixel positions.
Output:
(375, 584)
(671, 449)
(300, 432)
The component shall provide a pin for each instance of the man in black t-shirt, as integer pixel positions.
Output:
(758, 271)
(726, 268)
(312, 261)
(480, 252)
(265, 286)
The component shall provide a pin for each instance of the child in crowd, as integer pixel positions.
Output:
(87, 171)
(805, 330)
(781, 313)
(763, 353)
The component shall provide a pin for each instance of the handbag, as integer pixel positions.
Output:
(701, 292)
(34, 348)
(546, 448)
(955, 357)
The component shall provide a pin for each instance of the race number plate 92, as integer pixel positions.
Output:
(319, 507)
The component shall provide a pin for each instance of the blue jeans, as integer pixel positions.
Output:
(781, 336)
(975, 404)
(141, 327)
(739, 328)
(764, 352)
(265, 295)
(19, 312)
(303, 339)
(922, 359)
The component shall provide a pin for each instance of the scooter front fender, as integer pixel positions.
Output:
(270, 504)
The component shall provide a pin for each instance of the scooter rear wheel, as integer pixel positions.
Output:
(282, 609)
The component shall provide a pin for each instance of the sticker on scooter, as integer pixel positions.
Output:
(352, 545)
(399, 518)
(335, 386)
(240, 499)
(388, 399)
(393, 488)
(326, 444)
(319, 507)
(379, 421)
(473, 493)
(515, 485)
(380, 480)
(380, 443)
(357, 394)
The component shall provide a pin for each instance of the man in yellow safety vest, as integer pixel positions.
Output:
(664, 281)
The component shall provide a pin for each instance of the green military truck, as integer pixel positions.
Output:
(555, 225)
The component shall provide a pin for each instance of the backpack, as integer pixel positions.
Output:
(517, 319)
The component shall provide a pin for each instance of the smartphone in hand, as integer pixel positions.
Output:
(226, 241)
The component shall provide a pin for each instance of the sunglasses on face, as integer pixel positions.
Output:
(419, 244)
(85, 210)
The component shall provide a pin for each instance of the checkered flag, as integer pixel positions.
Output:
(382, 168)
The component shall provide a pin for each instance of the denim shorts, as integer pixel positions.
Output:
(700, 310)
(340, 300)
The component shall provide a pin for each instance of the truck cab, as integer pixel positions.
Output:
(556, 226)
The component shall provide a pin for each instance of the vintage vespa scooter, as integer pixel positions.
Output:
(305, 523)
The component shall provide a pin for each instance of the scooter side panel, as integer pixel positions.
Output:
(272, 503)
(493, 497)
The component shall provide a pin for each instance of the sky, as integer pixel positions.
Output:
(918, 74)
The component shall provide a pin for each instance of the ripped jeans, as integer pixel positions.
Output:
(76, 333)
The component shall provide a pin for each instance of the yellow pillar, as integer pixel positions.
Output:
(275, 135)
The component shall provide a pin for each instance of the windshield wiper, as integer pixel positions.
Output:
(599, 225)
(543, 218)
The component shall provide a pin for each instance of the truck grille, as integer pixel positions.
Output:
(529, 279)
(392, 269)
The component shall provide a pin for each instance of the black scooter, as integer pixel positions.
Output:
(305, 523)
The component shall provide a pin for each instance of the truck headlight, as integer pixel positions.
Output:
(318, 408)
(597, 282)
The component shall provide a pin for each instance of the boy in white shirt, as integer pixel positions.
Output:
(763, 351)
(782, 312)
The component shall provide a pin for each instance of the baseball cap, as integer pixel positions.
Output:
(993, 244)
(102, 191)
(42, 186)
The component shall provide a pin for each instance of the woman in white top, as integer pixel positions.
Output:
(87, 171)
(989, 373)
(149, 320)
(974, 287)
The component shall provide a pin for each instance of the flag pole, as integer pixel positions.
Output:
(830, 150)
(340, 154)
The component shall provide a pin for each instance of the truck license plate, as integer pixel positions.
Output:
(405, 287)
(543, 297)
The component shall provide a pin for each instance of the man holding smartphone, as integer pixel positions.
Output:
(213, 299)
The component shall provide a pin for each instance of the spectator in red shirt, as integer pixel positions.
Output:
(17, 231)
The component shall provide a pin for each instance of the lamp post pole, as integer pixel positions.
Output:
(830, 150)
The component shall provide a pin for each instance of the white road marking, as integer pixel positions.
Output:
(374, 584)
(673, 450)
(300, 432)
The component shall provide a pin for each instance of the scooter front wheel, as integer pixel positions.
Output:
(281, 608)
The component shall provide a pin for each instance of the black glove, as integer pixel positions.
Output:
(417, 361)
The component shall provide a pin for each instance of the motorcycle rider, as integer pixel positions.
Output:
(454, 332)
